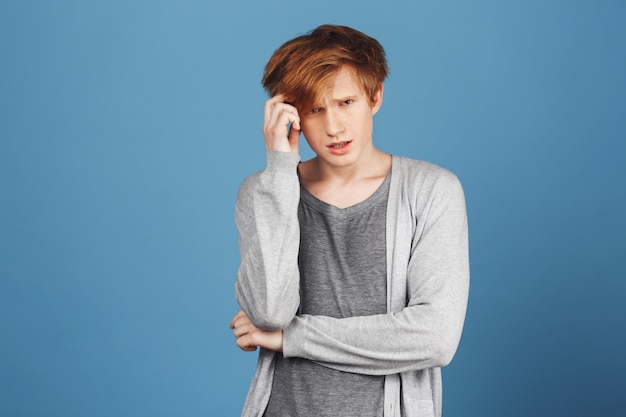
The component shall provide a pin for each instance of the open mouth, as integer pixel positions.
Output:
(339, 145)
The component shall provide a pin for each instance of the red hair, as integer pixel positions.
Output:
(302, 67)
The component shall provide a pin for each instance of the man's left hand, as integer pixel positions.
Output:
(249, 337)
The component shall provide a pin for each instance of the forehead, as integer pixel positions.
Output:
(345, 82)
(345, 79)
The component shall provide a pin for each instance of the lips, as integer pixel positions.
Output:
(339, 148)
(339, 145)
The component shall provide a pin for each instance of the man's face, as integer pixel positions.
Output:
(339, 127)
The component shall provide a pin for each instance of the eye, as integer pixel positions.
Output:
(316, 110)
(347, 102)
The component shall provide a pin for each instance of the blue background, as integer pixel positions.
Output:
(126, 128)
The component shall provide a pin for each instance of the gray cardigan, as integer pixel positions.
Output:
(427, 285)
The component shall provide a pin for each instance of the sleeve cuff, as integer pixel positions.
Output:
(291, 340)
(282, 162)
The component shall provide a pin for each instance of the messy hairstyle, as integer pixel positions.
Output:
(303, 67)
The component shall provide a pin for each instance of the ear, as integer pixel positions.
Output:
(378, 99)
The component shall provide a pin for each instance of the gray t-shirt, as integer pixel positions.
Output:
(342, 263)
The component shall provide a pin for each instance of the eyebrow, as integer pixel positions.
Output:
(337, 100)
(348, 97)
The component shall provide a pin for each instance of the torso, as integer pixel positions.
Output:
(343, 268)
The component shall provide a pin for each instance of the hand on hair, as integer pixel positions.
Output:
(249, 337)
(278, 135)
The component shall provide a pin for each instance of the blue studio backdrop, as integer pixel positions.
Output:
(126, 128)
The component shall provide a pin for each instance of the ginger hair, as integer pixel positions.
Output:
(303, 67)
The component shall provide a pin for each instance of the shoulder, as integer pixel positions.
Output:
(426, 190)
(423, 175)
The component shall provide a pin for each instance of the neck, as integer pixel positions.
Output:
(344, 186)
(373, 163)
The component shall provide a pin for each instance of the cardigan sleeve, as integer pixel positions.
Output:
(266, 214)
(425, 333)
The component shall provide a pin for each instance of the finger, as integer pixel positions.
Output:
(241, 321)
(278, 98)
(239, 314)
(273, 105)
(232, 322)
(249, 349)
(245, 344)
(242, 330)
(294, 132)
(269, 106)
(288, 125)
(281, 115)
(293, 117)
(275, 108)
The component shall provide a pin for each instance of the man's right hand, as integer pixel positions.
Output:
(278, 135)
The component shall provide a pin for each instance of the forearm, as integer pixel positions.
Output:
(417, 337)
(267, 286)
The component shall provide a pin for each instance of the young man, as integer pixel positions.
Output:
(354, 268)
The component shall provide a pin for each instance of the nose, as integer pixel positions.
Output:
(334, 124)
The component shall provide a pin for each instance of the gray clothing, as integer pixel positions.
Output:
(342, 266)
(427, 285)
